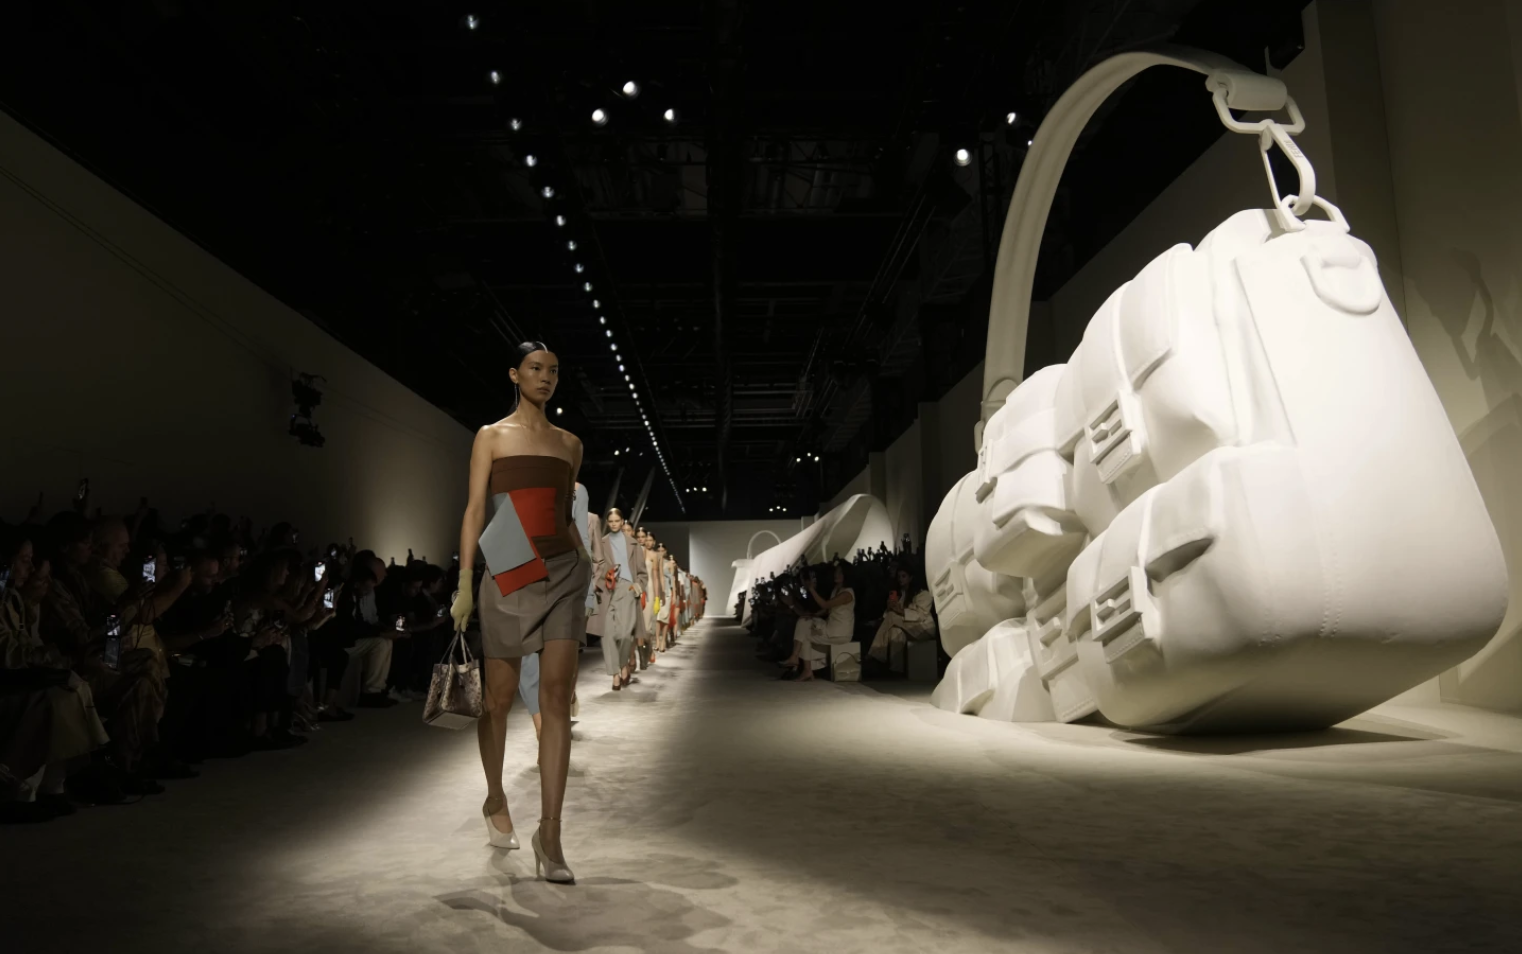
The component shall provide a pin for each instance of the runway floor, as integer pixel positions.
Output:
(712, 808)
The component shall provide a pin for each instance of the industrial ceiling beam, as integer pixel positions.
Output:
(725, 161)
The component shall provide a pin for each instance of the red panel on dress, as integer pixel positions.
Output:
(536, 511)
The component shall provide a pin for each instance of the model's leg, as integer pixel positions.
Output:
(557, 679)
(491, 733)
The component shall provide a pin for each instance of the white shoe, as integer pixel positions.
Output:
(498, 838)
(556, 872)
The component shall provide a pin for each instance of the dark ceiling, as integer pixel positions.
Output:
(787, 269)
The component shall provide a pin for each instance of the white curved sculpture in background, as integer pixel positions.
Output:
(741, 580)
(1238, 507)
(861, 522)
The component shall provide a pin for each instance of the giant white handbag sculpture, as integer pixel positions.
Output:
(1240, 504)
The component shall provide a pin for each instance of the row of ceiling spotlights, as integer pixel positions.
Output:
(600, 116)
(561, 222)
(630, 90)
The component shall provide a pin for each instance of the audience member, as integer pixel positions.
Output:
(909, 617)
(65, 729)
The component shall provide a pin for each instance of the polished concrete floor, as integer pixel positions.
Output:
(714, 809)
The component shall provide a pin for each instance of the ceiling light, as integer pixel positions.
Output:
(571, 246)
(515, 124)
(614, 346)
(560, 220)
(620, 366)
(559, 411)
(600, 117)
(609, 332)
(471, 21)
(631, 385)
(1030, 142)
(580, 268)
(602, 321)
(531, 160)
(1010, 118)
(596, 303)
(495, 77)
(626, 377)
(631, 89)
(669, 115)
(816, 458)
(963, 157)
(615, 453)
(548, 192)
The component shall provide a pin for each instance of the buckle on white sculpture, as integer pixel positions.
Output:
(1119, 614)
(1231, 89)
(1117, 437)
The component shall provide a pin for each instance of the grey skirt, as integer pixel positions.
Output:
(521, 623)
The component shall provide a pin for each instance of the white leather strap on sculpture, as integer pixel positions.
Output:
(1232, 86)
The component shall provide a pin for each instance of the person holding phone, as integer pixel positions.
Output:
(38, 669)
(129, 698)
(262, 619)
(907, 618)
(837, 625)
(533, 598)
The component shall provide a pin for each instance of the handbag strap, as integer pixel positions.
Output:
(449, 653)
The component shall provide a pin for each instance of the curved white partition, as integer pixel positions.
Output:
(1239, 506)
(861, 522)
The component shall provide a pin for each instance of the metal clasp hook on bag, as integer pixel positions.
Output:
(1227, 89)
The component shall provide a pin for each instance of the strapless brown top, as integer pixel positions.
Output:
(541, 489)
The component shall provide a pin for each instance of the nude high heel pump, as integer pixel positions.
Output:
(556, 872)
(498, 838)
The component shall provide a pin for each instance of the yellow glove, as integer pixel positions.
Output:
(464, 605)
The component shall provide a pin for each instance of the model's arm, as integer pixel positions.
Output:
(575, 473)
(839, 599)
(475, 503)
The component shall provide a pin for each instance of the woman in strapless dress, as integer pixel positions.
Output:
(533, 596)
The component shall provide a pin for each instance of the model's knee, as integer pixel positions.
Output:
(555, 699)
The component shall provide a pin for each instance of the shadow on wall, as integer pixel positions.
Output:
(1460, 298)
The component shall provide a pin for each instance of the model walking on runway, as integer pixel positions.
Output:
(533, 595)
(617, 621)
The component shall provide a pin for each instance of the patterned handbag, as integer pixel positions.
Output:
(454, 694)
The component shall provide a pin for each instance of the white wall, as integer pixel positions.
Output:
(903, 463)
(917, 471)
(137, 359)
(708, 548)
(1453, 97)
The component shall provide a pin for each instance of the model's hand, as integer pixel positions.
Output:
(464, 604)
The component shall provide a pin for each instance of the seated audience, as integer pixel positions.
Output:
(908, 618)
(366, 638)
(89, 630)
(66, 729)
(830, 621)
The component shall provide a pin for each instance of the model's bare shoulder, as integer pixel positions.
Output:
(571, 441)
